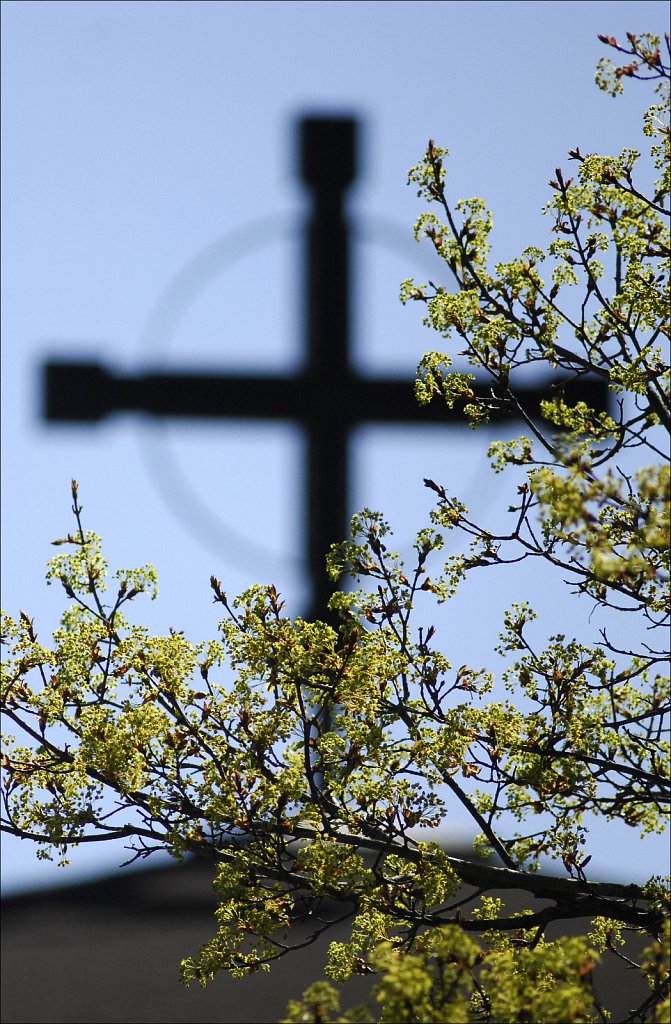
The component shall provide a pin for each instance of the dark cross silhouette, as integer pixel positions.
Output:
(327, 399)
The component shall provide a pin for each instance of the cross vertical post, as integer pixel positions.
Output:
(328, 167)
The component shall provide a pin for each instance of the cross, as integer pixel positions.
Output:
(327, 399)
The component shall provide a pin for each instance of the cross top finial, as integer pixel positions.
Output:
(328, 152)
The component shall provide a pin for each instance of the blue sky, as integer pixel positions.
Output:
(149, 199)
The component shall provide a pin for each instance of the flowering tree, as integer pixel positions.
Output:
(149, 741)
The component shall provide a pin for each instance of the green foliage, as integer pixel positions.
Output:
(225, 748)
(449, 979)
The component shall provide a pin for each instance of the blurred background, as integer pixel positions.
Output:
(151, 218)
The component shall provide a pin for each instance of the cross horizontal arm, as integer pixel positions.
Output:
(87, 392)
